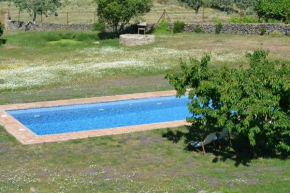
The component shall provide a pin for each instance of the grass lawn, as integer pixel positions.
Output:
(153, 161)
(40, 66)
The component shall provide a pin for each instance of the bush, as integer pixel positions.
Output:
(263, 31)
(252, 103)
(178, 27)
(197, 30)
(216, 20)
(99, 27)
(218, 28)
(2, 41)
(244, 19)
(275, 34)
(162, 28)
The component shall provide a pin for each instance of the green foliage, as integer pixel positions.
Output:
(244, 19)
(178, 26)
(216, 20)
(197, 29)
(1, 29)
(275, 34)
(245, 4)
(120, 12)
(263, 31)
(2, 41)
(197, 4)
(269, 9)
(226, 5)
(41, 39)
(218, 28)
(38, 7)
(99, 27)
(252, 103)
(162, 28)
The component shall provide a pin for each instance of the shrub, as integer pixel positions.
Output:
(162, 28)
(218, 28)
(178, 27)
(2, 41)
(244, 19)
(67, 35)
(216, 20)
(275, 34)
(99, 27)
(263, 31)
(197, 29)
(252, 103)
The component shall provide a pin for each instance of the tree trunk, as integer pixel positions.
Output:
(34, 17)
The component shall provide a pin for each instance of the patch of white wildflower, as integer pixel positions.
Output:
(97, 63)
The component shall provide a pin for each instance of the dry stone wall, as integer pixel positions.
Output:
(23, 26)
(227, 28)
(242, 29)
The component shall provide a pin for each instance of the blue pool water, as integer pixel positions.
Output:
(63, 119)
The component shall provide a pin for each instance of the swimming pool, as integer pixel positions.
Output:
(104, 115)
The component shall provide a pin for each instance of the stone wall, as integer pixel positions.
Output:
(22, 26)
(227, 28)
(243, 29)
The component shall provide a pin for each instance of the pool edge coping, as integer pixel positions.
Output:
(26, 137)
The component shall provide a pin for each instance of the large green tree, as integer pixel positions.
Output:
(223, 4)
(197, 4)
(273, 9)
(252, 103)
(245, 4)
(120, 12)
(38, 7)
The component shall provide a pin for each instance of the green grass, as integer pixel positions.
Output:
(139, 162)
(38, 70)
(153, 161)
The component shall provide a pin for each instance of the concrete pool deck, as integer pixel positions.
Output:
(26, 136)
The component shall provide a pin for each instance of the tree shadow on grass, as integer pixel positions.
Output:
(239, 151)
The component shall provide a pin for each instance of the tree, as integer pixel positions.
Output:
(38, 7)
(120, 12)
(252, 103)
(245, 4)
(197, 4)
(272, 9)
(223, 4)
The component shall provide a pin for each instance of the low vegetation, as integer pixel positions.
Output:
(153, 161)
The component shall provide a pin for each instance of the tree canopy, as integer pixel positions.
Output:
(245, 4)
(197, 4)
(252, 103)
(273, 9)
(120, 12)
(38, 7)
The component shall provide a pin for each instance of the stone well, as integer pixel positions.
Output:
(136, 40)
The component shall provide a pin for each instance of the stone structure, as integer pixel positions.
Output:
(227, 28)
(242, 29)
(136, 40)
(23, 26)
